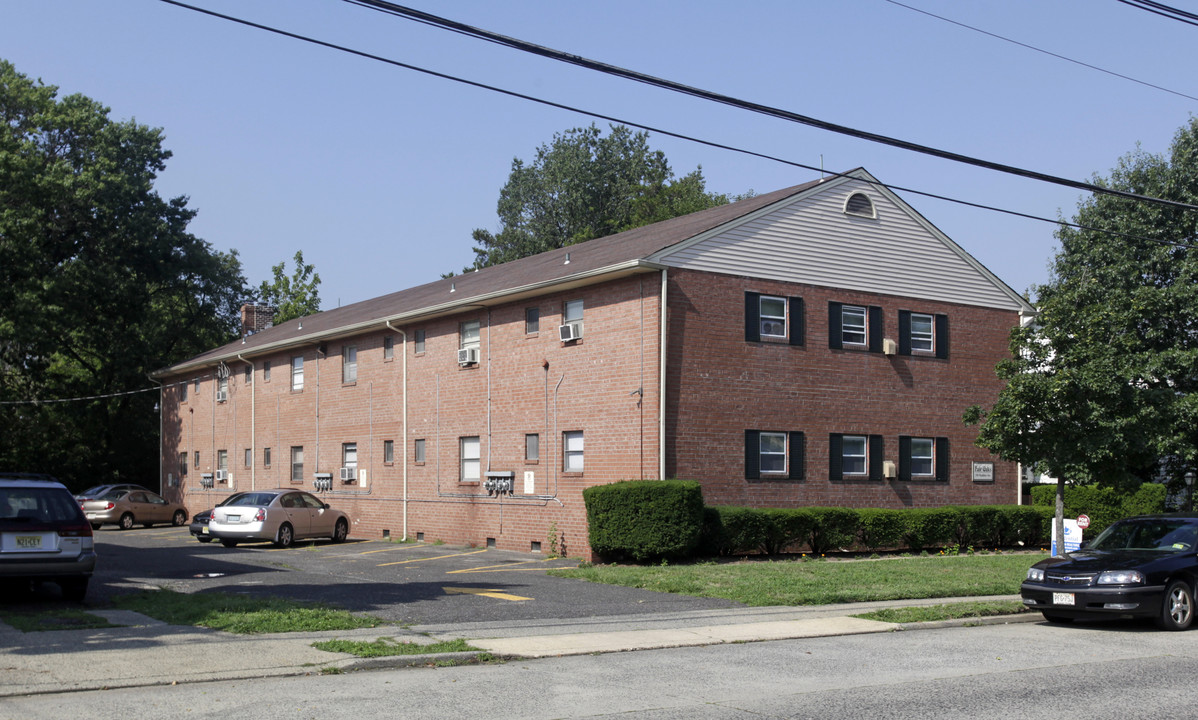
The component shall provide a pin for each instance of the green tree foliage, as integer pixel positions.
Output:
(292, 297)
(584, 186)
(100, 284)
(1103, 384)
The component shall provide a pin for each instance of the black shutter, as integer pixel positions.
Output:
(875, 329)
(752, 455)
(835, 340)
(876, 449)
(904, 468)
(797, 320)
(942, 459)
(752, 317)
(942, 336)
(835, 456)
(798, 455)
(904, 331)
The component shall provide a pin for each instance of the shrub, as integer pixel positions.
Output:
(1027, 524)
(644, 520)
(742, 530)
(932, 527)
(786, 527)
(981, 525)
(1103, 505)
(832, 528)
(882, 528)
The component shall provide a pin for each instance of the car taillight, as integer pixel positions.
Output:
(84, 530)
(260, 516)
(110, 506)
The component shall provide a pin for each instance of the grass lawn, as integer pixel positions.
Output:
(823, 582)
(240, 613)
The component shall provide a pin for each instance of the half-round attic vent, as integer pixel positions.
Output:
(859, 204)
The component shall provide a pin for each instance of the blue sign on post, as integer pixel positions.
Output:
(1073, 537)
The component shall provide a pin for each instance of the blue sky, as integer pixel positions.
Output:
(379, 174)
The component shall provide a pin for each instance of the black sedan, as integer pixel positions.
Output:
(1139, 567)
(199, 521)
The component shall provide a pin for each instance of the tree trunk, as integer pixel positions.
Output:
(1059, 520)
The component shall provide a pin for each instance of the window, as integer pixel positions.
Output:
(773, 318)
(856, 457)
(182, 463)
(923, 458)
(196, 464)
(419, 341)
(197, 386)
(389, 451)
(923, 334)
(297, 464)
(774, 455)
(222, 388)
(349, 460)
(222, 462)
(248, 376)
(266, 457)
(297, 372)
(855, 326)
(532, 320)
(266, 371)
(532, 447)
(573, 312)
(388, 348)
(249, 457)
(572, 447)
(418, 452)
(349, 363)
(468, 334)
(859, 204)
(470, 464)
(183, 392)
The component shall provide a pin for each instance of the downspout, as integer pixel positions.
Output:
(253, 422)
(404, 425)
(661, 392)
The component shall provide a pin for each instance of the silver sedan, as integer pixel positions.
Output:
(281, 516)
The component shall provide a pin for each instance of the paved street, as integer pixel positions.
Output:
(1006, 671)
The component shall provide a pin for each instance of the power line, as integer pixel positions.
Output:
(1163, 10)
(1041, 50)
(409, 13)
(661, 131)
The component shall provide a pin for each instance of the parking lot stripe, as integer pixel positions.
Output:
(439, 557)
(491, 568)
(485, 592)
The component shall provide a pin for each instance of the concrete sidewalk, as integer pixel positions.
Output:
(147, 652)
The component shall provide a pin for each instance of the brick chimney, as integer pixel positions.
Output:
(255, 318)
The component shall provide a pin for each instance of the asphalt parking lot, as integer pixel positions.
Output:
(409, 583)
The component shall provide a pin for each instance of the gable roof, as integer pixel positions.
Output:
(642, 249)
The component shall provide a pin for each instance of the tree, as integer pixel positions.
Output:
(292, 297)
(100, 284)
(584, 186)
(1102, 387)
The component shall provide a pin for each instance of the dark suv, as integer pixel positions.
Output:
(44, 535)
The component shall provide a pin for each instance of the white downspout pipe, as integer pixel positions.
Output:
(404, 425)
(661, 392)
(253, 422)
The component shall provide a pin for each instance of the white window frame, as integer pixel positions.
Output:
(573, 446)
(923, 340)
(849, 460)
(419, 451)
(854, 325)
(770, 322)
(222, 388)
(389, 451)
(388, 348)
(249, 457)
(572, 313)
(297, 463)
(265, 371)
(469, 334)
(297, 373)
(420, 338)
(919, 460)
(349, 455)
(469, 459)
(774, 447)
(349, 364)
(532, 447)
(266, 457)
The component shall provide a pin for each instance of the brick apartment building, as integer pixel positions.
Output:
(819, 346)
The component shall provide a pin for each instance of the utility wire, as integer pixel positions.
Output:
(667, 133)
(1041, 50)
(409, 13)
(1163, 10)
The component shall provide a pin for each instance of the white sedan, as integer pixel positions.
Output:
(281, 516)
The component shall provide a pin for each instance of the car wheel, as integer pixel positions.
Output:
(126, 522)
(340, 531)
(1054, 618)
(74, 589)
(203, 538)
(228, 542)
(1177, 609)
(95, 526)
(179, 518)
(285, 537)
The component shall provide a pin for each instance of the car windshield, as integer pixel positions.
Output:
(94, 490)
(1148, 534)
(251, 499)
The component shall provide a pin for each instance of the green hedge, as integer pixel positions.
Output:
(645, 520)
(1103, 505)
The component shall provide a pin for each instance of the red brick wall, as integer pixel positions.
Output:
(719, 385)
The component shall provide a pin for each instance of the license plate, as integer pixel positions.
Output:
(1062, 599)
(232, 518)
(29, 542)
(204, 531)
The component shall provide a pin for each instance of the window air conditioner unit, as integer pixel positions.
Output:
(467, 356)
(570, 331)
(889, 470)
(222, 475)
(889, 347)
(349, 474)
(222, 395)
